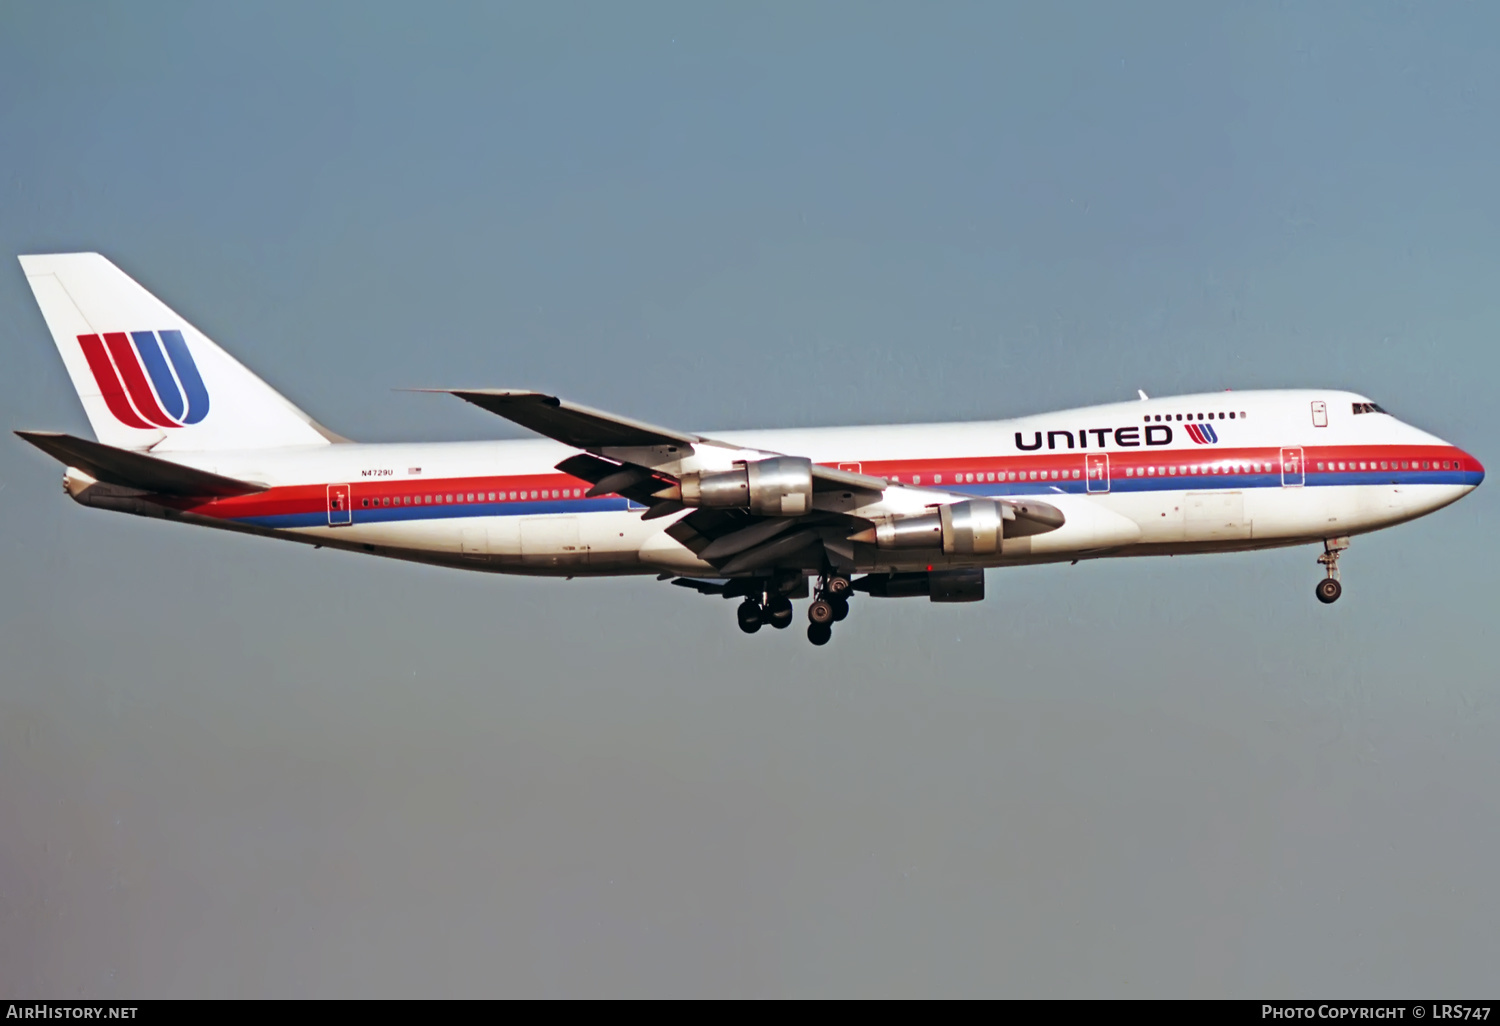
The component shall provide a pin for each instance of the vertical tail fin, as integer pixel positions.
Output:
(149, 379)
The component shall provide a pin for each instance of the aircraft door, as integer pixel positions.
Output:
(1096, 471)
(1292, 473)
(339, 511)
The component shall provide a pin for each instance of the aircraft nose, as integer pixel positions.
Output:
(1473, 469)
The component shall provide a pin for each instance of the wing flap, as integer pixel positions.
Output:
(638, 484)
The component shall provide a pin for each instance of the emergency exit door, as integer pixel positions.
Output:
(1292, 471)
(1096, 471)
(339, 512)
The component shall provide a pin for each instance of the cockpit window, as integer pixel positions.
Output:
(1367, 408)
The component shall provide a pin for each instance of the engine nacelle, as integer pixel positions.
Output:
(778, 487)
(973, 527)
(966, 585)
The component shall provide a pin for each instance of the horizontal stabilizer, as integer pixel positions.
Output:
(134, 469)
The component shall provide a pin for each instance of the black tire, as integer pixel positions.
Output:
(840, 609)
(779, 612)
(838, 585)
(749, 615)
(1329, 590)
(819, 633)
(820, 612)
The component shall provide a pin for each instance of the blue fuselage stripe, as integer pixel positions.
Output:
(1163, 483)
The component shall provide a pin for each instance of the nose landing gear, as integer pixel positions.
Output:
(1329, 589)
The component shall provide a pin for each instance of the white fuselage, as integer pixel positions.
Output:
(1140, 478)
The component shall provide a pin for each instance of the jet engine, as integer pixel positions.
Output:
(781, 486)
(973, 527)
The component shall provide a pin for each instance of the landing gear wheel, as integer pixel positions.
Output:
(819, 633)
(749, 615)
(840, 608)
(779, 612)
(837, 586)
(1329, 589)
(821, 614)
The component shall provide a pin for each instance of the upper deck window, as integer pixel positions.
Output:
(1368, 408)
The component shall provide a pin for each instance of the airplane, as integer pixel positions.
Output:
(184, 432)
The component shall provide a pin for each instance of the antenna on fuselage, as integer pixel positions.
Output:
(1142, 394)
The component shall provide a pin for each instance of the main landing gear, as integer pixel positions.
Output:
(769, 605)
(1329, 589)
(830, 606)
(775, 610)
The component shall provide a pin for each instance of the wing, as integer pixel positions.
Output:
(570, 423)
(647, 464)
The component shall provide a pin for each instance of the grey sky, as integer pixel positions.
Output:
(230, 767)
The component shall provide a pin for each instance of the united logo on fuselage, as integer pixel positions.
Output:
(1124, 437)
(148, 378)
(1203, 434)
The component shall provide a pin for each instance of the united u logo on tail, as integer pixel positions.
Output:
(1203, 434)
(148, 378)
